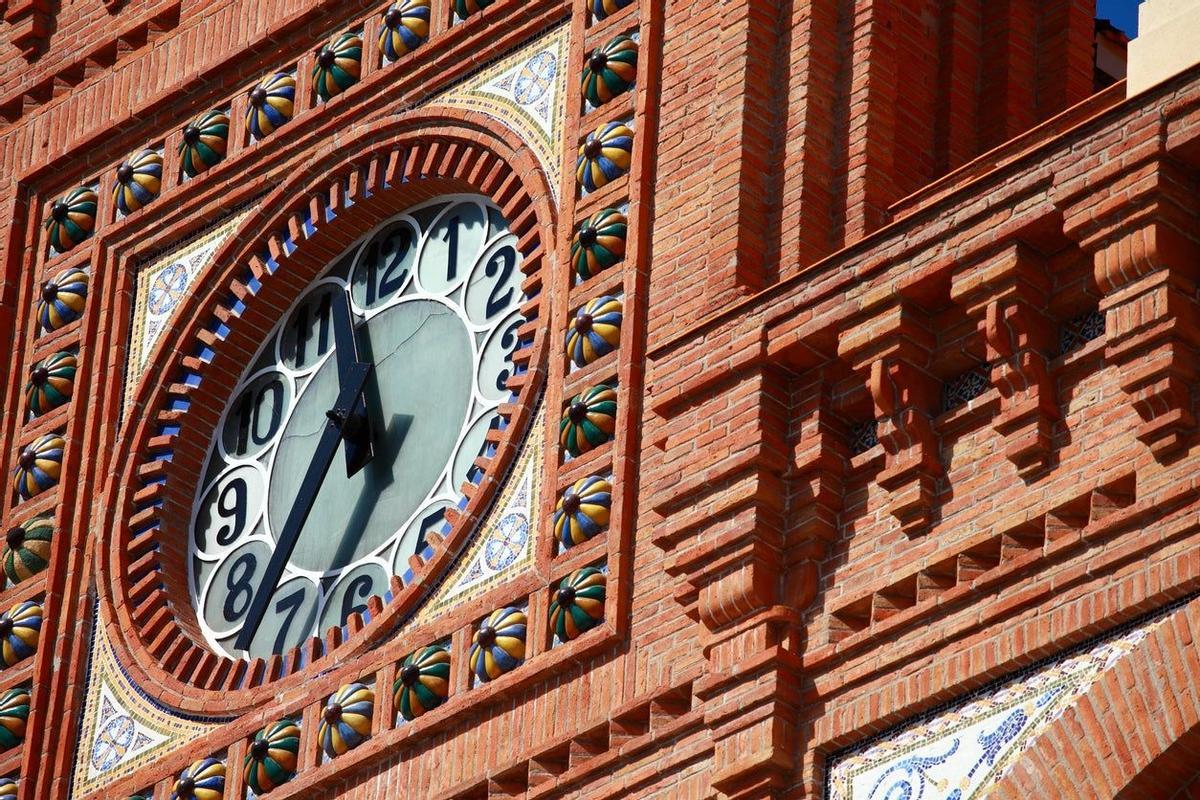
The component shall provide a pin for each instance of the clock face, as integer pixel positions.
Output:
(433, 298)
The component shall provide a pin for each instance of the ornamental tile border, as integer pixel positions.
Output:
(960, 753)
(526, 92)
(478, 569)
(121, 730)
(160, 288)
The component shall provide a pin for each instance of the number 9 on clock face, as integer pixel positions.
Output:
(435, 295)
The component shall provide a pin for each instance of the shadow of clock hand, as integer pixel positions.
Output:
(379, 476)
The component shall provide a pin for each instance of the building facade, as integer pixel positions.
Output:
(598, 398)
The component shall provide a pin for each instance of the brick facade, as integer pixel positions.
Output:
(874, 449)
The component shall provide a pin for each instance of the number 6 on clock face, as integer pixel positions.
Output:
(434, 295)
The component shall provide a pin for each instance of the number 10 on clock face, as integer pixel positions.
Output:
(434, 297)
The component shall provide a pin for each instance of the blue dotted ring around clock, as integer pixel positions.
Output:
(204, 142)
(595, 331)
(422, 682)
(20, 628)
(346, 719)
(272, 104)
(578, 605)
(582, 511)
(605, 155)
(39, 466)
(339, 65)
(203, 780)
(499, 644)
(62, 299)
(51, 383)
(405, 28)
(139, 180)
(72, 219)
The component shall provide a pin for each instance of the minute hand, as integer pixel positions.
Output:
(339, 417)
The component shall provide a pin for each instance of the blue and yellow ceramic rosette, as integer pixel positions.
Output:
(8, 788)
(272, 104)
(62, 299)
(422, 682)
(499, 644)
(39, 466)
(339, 65)
(203, 780)
(465, 8)
(50, 383)
(582, 512)
(204, 143)
(405, 28)
(589, 420)
(14, 713)
(605, 156)
(72, 219)
(610, 70)
(27, 548)
(578, 605)
(603, 9)
(139, 180)
(599, 243)
(271, 757)
(346, 719)
(595, 331)
(20, 628)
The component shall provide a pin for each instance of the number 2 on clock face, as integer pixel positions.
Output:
(435, 295)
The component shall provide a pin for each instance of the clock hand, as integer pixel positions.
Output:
(340, 417)
(357, 432)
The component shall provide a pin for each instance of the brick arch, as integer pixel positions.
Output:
(1134, 734)
(362, 178)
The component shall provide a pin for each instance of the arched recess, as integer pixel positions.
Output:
(348, 186)
(1135, 733)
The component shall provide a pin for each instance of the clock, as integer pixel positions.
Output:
(353, 427)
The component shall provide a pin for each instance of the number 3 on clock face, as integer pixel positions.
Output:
(434, 296)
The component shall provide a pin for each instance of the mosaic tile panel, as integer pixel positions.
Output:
(961, 753)
(161, 287)
(121, 728)
(526, 92)
(504, 544)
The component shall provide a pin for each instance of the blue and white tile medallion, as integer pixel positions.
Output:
(960, 753)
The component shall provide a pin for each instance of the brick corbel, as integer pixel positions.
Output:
(1007, 294)
(725, 531)
(892, 351)
(1146, 265)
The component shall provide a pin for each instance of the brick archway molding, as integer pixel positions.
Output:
(1135, 734)
(364, 176)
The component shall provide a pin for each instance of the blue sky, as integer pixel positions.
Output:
(1122, 13)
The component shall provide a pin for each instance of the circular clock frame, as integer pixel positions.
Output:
(157, 463)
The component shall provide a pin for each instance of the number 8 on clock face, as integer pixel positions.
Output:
(433, 296)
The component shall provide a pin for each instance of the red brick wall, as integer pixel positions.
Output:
(838, 206)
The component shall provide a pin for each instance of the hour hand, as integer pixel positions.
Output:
(354, 421)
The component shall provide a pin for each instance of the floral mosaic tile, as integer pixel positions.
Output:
(958, 754)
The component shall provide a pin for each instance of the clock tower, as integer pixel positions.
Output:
(489, 399)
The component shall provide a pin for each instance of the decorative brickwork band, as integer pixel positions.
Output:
(1146, 265)
(892, 350)
(1007, 296)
